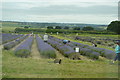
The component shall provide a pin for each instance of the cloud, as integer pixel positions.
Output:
(56, 11)
(84, 18)
(71, 9)
(60, 0)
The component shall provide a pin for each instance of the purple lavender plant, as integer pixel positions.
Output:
(11, 44)
(66, 50)
(45, 49)
(25, 48)
(9, 37)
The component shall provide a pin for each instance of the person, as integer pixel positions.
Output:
(94, 45)
(57, 61)
(57, 33)
(117, 51)
(77, 49)
(65, 41)
(45, 37)
(77, 38)
(76, 56)
(32, 34)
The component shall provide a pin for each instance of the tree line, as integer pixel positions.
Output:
(88, 28)
(113, 28)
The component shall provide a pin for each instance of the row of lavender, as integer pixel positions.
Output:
(45, 49)
(6, 37)
(106, 41)
(85, 50)
(94, 51)
(66, 50)
(24, 49)
(12, 44)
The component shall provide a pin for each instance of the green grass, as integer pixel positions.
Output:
(14, 67)
(93, 35)
(8, 26)
(7, 29)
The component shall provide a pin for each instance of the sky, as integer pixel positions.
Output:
(60, 11)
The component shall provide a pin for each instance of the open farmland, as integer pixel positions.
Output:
(60, 40)
(20, 62)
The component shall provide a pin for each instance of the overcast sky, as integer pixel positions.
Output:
(75, 11)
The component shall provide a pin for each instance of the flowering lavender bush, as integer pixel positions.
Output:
(109, 54)
(45, 49)
(9, 37)
(11, 44)
(95, 51)
(25, 48)
(94, 55)
(66, 50)
(92, 52)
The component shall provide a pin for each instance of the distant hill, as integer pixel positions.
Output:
(43, 25)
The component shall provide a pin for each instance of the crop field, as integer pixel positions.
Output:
(103, 41)
(28, 56)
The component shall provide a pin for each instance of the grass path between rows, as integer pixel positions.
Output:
(34, 50)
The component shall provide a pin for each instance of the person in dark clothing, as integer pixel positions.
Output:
(57, 61)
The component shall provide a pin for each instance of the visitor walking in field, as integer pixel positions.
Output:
(94, 45)
(45, 37)
(117, 50)
(76, 55)
(65, 41)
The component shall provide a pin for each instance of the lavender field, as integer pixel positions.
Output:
(37, 59)
(60, 39)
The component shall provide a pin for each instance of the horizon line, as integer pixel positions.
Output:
(54, 22)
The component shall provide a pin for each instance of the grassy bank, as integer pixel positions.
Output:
(14, 67)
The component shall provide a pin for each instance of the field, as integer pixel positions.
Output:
(35, 66)
(71, 37)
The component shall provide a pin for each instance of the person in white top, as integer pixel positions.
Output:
(76, 55)
(45, 37)
(77, 49)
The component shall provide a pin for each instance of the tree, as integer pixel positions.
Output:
(66, 27)
(58, 27)
(50, 27)
(89, 28)
(76, 28)
(26, 27)
(114, 26)
(29, 26)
